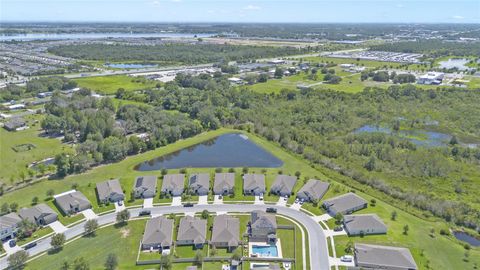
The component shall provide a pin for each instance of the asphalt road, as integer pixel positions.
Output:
(317, 241)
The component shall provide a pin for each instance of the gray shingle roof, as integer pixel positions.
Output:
(38, 211)
(254, 182)
(199, 181)
(384, 257)
(148, 182)
(106, 188)
(226, 229)
(72, 200)
(284, 183)
(14, 123)
(159, 231)
(314, 189)
(174, 182)
(363, 222)
(344, 202)
(260, 219)
(223, 181)
(192, 229)
(9, 220)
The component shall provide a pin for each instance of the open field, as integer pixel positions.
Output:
(448, 253)
(110, 84)
(14, 163)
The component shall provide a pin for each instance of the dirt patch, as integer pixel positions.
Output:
(125, 232)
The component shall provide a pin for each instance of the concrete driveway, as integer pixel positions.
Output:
(203, 199)
(119, 207)
(296, 206)
(148, 203)
(281, 201)
(258, 201)
(57, 227)
(338, 262)
(89, 214)
(217, 200)
(323, 217)
(177, 200)
(10, 250)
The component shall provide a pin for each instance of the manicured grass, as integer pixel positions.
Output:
(121, 241)
(36, 235)
(110, 84)
(13, 163)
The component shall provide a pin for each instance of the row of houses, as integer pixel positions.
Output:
(192, 231)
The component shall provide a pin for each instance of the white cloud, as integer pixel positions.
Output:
(400, 6)
(156, 3)
(252, 7)
(458, 17)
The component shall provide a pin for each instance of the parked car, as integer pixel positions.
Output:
(30, 245)
(220, 197)
(271, 210)
(12, 243)
(297, 200)
(285, 198)
(144, 213)
(261, 197)
(346, 258)
(302, 201)
(188, 205)
(338, 229)
(120, 203)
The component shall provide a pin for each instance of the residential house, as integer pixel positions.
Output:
(199, 183)
(225, 233)
(313, 190)
(283, 185)
(224, 183)
(40, 214)
(110, 191)
(345, 204)
(15, 124)
(158, 234)
(72, 202)
(263, 227)
(253, 184)
(173, 184)
(145, 186)
(192, 231)
(9, 225)
(383, 257)
(364, 224)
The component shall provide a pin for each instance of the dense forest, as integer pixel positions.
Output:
(173, 53)
(432, 48)
(35, 86)
(318, 125)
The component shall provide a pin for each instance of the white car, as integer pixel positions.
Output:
(285, 198)
(346, 258)
(261, 197)
(297, 200)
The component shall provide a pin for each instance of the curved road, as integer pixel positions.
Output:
(317, 241)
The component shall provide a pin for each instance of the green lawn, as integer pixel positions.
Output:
(110, 84)
(17, 162)
(36, 235)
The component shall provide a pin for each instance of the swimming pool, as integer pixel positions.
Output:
(265, 251)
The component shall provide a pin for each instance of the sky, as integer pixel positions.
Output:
(301, 11)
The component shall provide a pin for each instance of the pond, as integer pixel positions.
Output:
(465, 237)
(418, 137)
(459, 63)
(228, 150)
(131, 66)
(45, 162)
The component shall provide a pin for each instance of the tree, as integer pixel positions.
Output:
(370, 165)
(263, 77)
(278, 73)
(80, 264)
(338, 218)
(26, 228)
(13, 207)
(165, 262)
(62, 161)
(5, 208)
(65, 265)
(297, 174)
(112, 262)
(405, 229)
(58, 240)
(213, 251)
(90, 226)
(123, 216)
(237, 254)
(50, 193)
(35, 200)
(17, 260)
(393, 215)
(454, 140)
(199, 257)
(205, 214)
